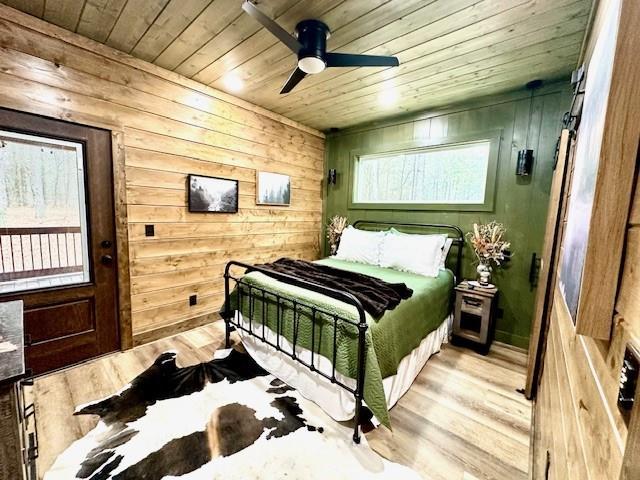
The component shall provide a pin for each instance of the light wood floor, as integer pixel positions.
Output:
(461, 419)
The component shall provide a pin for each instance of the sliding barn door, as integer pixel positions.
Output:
(548, 266)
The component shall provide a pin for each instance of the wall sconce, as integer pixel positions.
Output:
(332, 176)
(524, 166)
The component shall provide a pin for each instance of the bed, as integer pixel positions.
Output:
(321, 341)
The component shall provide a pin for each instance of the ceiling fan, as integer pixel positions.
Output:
(310, 45)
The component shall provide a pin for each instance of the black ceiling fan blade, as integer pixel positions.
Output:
(279, 32)
(354, 60)
(296, 77)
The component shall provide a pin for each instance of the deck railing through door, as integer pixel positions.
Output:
(39, 251)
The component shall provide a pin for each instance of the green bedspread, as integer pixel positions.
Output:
(389, 338)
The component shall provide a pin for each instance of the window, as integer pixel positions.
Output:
(448, 176)
(43, 231)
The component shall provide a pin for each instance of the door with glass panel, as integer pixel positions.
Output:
(57, 237)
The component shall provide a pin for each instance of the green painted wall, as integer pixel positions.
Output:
(520, 203)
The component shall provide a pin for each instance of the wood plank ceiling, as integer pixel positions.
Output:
(449, 50)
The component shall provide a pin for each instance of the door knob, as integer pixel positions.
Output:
(106, 259)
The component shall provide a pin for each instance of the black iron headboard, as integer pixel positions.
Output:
(454, 232)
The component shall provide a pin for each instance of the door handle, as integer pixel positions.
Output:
(534, 270)
(106, 259)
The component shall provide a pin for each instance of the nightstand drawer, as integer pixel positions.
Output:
(473, 304)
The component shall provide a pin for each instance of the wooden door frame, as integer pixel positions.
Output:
(123, 277)
(121, 223)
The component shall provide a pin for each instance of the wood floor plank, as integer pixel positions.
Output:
(461, 419)
(492, 411)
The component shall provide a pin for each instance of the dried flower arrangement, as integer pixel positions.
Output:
(334, 230)
(487, 241)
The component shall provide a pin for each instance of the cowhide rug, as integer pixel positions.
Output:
(225, 419)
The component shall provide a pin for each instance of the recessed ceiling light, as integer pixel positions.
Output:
(388, 97)
(233, 83)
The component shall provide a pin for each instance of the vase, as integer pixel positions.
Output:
(484, 274)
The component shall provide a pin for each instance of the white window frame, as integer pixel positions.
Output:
(493, 138)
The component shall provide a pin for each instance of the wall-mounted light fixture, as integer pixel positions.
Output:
(332, 176)
(524, 165)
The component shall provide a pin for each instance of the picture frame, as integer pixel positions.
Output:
(273, 189)
(212, 194)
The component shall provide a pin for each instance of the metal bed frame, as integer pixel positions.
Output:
(252, 293)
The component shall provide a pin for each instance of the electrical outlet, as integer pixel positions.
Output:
(193, 299)
(628, 380)
(149, 230)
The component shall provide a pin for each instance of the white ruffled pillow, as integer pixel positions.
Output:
(421, 254)
(360, 246)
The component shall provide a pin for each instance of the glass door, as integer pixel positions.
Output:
(43, 213)
(57, 237)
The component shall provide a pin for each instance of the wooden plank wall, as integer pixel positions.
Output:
(576, 418)
(579, 432)
(172, 127)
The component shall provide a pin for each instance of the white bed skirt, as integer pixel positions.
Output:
(334, 400)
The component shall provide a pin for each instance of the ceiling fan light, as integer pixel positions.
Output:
(311, 64)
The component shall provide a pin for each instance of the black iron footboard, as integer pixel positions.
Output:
(251, 293)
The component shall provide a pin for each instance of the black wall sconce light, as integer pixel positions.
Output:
(524, 166)
(332, 176)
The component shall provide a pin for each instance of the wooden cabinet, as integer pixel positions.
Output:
(474, 317)
(18, 434)
(19, 445)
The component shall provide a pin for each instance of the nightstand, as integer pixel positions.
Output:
(474, 316)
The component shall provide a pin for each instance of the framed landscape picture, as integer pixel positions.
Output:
(212, 194)
(273, 189)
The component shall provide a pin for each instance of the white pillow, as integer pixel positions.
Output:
(360, 246)
(445, 248)
(421, 254)
(445, 252)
